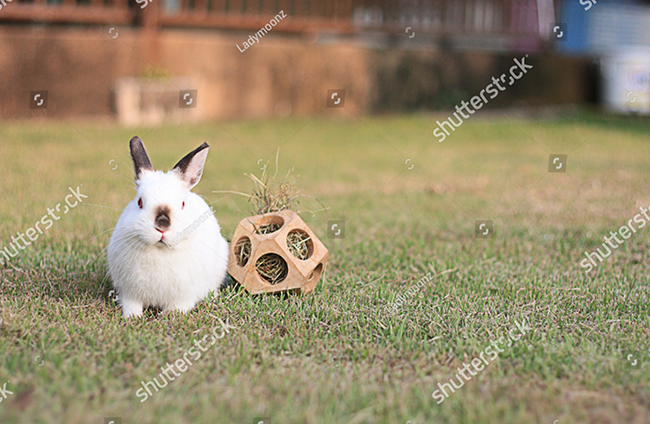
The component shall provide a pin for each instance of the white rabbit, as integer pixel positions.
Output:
(167, 250)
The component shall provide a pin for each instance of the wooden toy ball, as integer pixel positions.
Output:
(276, 252)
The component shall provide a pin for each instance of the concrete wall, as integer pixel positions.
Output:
(279, 76)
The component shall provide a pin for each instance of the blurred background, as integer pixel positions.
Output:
(132, 61)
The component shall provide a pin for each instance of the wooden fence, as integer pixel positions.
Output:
(436, 17)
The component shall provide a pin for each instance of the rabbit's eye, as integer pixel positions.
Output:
(140, 202)
(183, 207)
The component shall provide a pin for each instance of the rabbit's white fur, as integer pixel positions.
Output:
(153, 268)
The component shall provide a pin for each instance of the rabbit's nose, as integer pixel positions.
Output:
(162, 219)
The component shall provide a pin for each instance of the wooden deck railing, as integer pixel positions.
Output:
(67, 11)
(471, 17)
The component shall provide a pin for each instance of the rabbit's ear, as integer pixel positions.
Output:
(141, 161)
(191, 166)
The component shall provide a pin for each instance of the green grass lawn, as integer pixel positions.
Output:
(340, 355)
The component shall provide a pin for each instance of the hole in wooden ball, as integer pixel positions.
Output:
(272, 267)
(242, 251)
(300, 244)
(315, 273)
(268, 224)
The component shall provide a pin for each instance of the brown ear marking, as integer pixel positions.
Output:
(189, 169)
(139, 156)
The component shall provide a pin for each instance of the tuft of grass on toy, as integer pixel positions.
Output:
(274, 250)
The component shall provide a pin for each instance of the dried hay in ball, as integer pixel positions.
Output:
(272, 268)
(243, 247)
(267, 229)
(297, 244)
